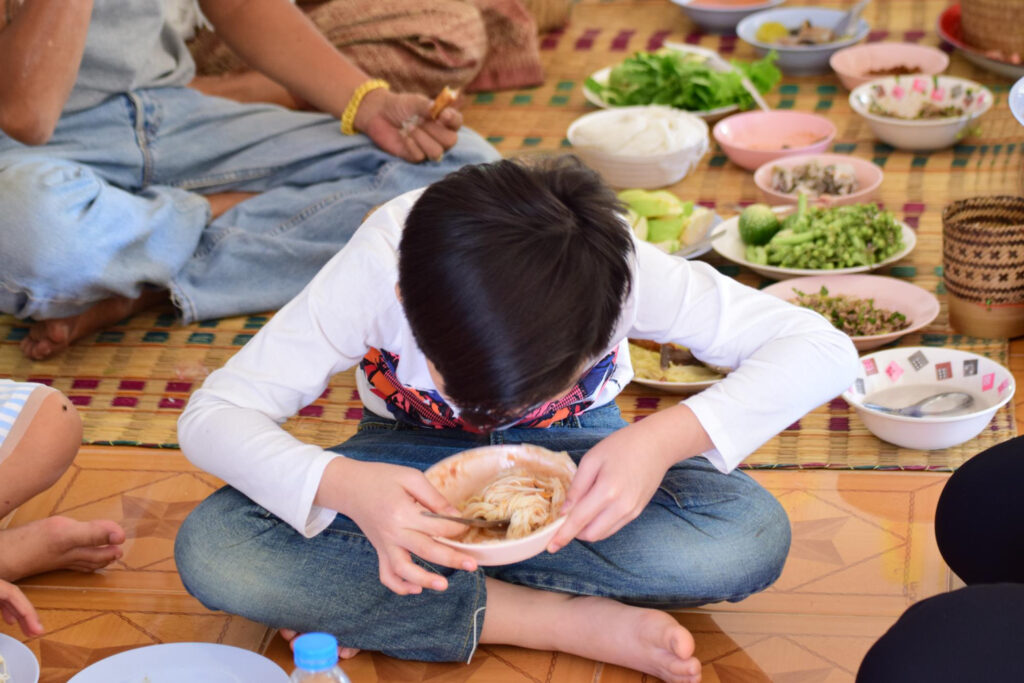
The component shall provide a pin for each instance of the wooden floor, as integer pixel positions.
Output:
(863, 550)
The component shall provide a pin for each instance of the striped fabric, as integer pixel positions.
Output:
(12, 399)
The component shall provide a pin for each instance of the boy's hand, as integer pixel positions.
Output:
(617, 478)
(615, 481)
(16, 608)
(400, 123)
(386, 502)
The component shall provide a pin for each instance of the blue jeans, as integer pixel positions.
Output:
(113, 203)
(704, 537)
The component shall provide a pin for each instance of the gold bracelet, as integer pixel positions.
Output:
(348, 117)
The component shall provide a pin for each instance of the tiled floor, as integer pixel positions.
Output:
(862, 551)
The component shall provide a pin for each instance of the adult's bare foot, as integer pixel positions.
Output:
(48, 337)
(290, 636)
(58, 543)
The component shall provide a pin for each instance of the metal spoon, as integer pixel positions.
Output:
(470, 521)
(849, 18)
(963, 400)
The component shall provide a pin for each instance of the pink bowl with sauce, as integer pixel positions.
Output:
(757, 137)
(853, 64)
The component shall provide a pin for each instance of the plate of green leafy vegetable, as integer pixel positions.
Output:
(787, 242)
(686, 77)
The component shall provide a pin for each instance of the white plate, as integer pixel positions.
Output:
(676, 387)
(732, 247)
(22, 665)
(709, 115)
(1017, 100)
(180, 662)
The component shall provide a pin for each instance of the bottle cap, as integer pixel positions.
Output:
(316, 651)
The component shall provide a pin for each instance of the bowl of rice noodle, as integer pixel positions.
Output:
(522, 482)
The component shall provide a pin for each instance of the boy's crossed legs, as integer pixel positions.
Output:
(705, 537)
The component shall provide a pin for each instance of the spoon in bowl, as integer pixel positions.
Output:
(959, 399)
(470, 521)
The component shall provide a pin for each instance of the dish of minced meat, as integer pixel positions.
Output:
(855, 316)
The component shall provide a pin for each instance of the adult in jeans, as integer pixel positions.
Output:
(121, 188)
(971, 634)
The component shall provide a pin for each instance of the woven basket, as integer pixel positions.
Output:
(993, 25)
(983, 265)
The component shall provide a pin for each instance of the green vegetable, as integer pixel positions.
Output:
(684, 81)
(816, 238)
(758, 224)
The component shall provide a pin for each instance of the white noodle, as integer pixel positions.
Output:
(530, 501)
(4, 677)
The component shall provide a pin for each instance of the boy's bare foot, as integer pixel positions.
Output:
(290, 636)
(48, 337)
(58, 543)
(646, 640)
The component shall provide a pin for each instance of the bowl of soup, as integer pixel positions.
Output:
(898, 378)
(521, 482)
(721, 16)
(754, 138)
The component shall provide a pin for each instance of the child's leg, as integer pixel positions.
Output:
(39, 448)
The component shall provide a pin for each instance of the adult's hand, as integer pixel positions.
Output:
(400, 123)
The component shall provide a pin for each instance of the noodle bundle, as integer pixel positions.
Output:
(3, 670)
(530, 501)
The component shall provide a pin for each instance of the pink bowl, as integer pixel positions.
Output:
(853, 63)
(869, 178)
(757, 137)
(918, 304)
(461, 476)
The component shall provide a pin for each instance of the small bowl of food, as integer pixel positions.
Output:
(862, 63)
(523, 483)
(671, 368)
(927, 398)
(721, 16)
(873, 309)
(803, 37)
(920, 112)
(757, 137)
(826, 179)
(640, 147)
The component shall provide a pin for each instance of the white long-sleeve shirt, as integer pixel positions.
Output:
(787, 361)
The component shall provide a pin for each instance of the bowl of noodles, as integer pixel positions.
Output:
(520, 482)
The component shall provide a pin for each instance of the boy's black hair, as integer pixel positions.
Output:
(512, 276)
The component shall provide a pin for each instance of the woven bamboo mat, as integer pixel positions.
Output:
(132, 381)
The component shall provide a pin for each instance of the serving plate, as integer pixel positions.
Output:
(714, 62)
(177, 662)
(732, 247)
(22, 666)
(919, 305)
(1017, 100)
(676, 387)
(949, 30)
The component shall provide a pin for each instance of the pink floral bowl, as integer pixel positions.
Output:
(853, 64)
(757, 137)
(869, 178)
(461, 476)
(893, 108)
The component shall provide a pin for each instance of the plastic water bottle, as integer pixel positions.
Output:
(316, 659)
